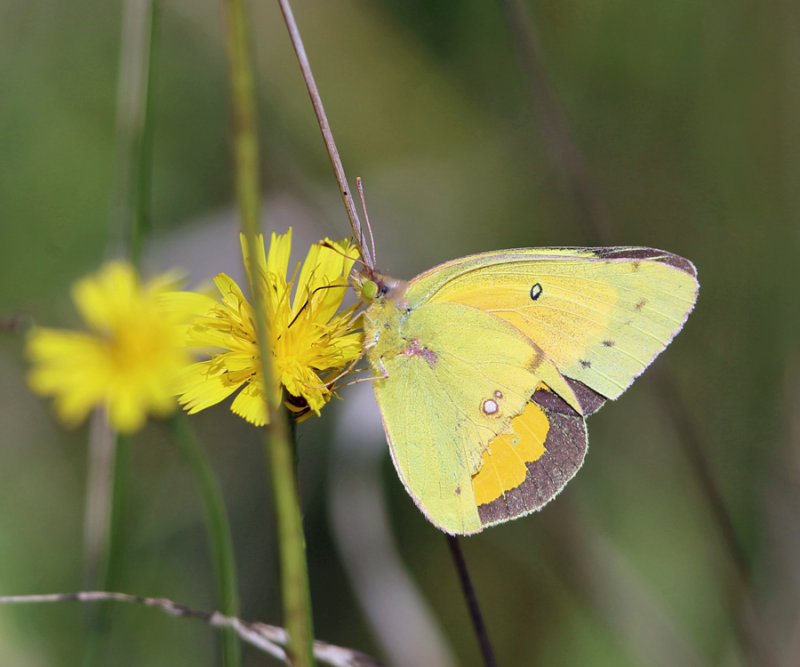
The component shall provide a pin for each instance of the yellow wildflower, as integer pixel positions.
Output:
(309, 341)
(128, 361)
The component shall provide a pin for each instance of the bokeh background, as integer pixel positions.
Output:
(684, 117)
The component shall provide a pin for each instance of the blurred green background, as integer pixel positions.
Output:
(687, 117)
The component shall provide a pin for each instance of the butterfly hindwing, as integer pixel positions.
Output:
(455, 378)
(524, 469)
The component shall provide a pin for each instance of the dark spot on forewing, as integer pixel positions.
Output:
(647, 254)
(536, 291)
(586, 363)
(458, 490)
(536, 361)
(641, 304)
(609, 343)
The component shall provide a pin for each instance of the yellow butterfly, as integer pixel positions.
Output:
(488, 365)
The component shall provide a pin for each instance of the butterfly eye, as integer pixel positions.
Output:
(369, 290)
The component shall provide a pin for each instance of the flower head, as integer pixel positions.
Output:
(308, 340)
(127, 362)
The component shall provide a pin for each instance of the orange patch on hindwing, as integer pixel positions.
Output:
(503, 466)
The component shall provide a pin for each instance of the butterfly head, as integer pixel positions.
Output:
(372, 286)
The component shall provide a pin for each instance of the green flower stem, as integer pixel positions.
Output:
(277, 440)
(294, 571)
(219, 532)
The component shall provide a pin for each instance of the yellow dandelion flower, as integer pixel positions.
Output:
(128, 361)
(309, 341)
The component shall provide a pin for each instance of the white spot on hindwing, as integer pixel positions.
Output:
(490, 406)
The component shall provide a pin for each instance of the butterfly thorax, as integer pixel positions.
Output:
(386, 310)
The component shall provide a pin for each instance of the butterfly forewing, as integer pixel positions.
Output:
(600, 315)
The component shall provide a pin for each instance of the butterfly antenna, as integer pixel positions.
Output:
(329, 246)
(360, 187)
(311, 296)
